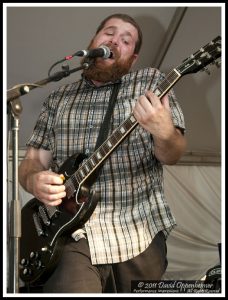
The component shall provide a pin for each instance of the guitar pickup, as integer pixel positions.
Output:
(52, 211)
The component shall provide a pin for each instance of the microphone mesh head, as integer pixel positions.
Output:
(107, 52)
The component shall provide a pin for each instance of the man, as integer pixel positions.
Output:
(125, 238)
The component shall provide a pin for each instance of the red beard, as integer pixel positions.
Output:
(108, 73)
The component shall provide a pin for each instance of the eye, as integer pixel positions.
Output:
(126, 41)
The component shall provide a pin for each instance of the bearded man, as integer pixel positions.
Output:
(124, 239)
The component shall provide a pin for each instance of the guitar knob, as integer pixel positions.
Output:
(27, 272)
(24, 262)
(34, 255)
(38, 264)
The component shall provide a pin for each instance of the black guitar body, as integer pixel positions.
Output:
(45, 228)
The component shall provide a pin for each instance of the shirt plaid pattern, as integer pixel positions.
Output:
(132, 207)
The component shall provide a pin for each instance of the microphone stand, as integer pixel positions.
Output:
(15, 108)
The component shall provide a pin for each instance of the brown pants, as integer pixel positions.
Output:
(76, 274)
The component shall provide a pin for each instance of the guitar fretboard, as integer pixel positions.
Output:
(95, 160)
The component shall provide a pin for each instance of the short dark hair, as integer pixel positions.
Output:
(128, 19)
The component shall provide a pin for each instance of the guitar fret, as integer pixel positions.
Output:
(167, 82)
(95, 159)
(132, 119)
(118, 134)
(87, 168)
(115, 135)
(109, 144)
(164, 85)
(78, 177)
(174, 76)
(89, 163)
(82, 173)
(92, 161)
(102, 151)
(74, 180)
(128, 124)
(113, 139)
(98, 155)
(122, 130)
(106, 148)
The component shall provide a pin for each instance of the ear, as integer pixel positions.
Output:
(135, 58)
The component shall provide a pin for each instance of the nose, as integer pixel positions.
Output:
(114, 40)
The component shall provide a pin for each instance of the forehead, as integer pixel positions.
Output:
(122, 27)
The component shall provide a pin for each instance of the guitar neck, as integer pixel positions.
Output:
(102, 153)
(167, 83)
(99, 156)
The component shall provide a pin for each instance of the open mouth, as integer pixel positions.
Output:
(113, 53)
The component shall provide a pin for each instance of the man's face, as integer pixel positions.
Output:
(121, 38)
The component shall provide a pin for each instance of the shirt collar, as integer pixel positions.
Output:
(91, 84)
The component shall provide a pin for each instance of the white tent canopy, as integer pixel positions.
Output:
(39, 36)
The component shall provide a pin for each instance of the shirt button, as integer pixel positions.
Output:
(87, 151)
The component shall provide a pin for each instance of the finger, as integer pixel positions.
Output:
(165, 102)
(139, 110)
(153, 99)
(144, 104)
(55, 179)
(50, 178)
(51, 199)
(55, 197)
(53, 203)
(54, 189)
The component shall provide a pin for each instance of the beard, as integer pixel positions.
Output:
(107, 73)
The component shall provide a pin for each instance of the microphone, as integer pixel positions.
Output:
(103, 52)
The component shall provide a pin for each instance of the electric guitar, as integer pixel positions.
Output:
(45, 228)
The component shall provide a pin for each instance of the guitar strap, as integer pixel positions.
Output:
(104, 129)
(103, 133)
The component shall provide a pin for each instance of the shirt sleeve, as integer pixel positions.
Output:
(42, 131)
(177, 113)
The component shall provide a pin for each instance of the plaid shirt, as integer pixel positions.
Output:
(132, 207)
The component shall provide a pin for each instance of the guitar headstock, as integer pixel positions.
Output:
(209, 54)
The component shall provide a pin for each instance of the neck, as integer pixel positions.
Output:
(97, 83)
